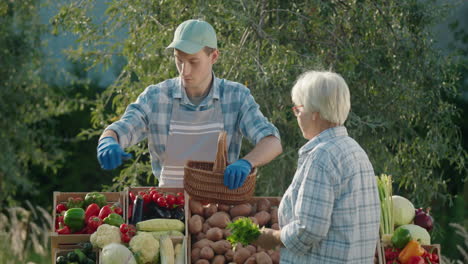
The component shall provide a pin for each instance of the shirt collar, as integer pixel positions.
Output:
(324, 136)
(180, 93)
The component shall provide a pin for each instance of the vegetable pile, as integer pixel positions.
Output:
(84, 254)
(84, 216)
(404, 230)
(213, 226)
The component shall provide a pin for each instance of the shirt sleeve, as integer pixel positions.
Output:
(253, 124)
(133, 125)
(313, 209)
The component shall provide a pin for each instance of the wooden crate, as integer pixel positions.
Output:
(64, 249)
(428, 248)
(62, 197)
(275, 201)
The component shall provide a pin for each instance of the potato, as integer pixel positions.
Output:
(200, 236)
(226, 233)
(229, 255)
(224, 208)
(263, 204)
(251, 260)
(241, 255)
(263, 258)
(218, 259)
(219, 219)
(206, 227)
(195, 254)
(263, 218)
(196, 207)
(274, 216)
(221, 247)
(206, 253)
(275, 226)
(237, 218)
(241, 210)
(195, 224)
(214, 234)
(252, 249)
(254, 220)
(202, 261)
(275, 257)
(209, 210)
(202, 243)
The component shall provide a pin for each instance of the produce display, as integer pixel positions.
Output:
(404, 230)
(212, 228)
(84, 216)
(83, 254)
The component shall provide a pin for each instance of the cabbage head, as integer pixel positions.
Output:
(115, 253)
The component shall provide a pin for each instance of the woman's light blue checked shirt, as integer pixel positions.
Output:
(150, 115)
(331, 211)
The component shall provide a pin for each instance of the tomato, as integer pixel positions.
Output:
(141, 193)
(434, 258)
(125, 238)
(60, 208)
(146, 199)
(155, 197)
(131, 196)
(152, 188)
(161, 201)
(171, 200)
(180, 200)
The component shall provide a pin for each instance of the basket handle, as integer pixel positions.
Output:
(220, 161)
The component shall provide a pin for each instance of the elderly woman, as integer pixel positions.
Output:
(330, 212)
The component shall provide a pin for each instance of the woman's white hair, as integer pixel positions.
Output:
(324, 92)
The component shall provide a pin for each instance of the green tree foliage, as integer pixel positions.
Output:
(27, 105)
(400, 84)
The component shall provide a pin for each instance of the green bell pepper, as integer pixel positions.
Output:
(114, 219)
(401, 237)
(95, 197)
(74, 219)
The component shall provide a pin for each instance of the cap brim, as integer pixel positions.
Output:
(185, 46)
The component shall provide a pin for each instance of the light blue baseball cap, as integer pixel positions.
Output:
(193, 35)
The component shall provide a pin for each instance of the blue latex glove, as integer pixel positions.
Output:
(110, 154)
(235, 174)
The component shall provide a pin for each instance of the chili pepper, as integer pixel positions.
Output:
(105, 211)
(60, 208)
(92, 210)
(413, 248)
(401, 237)
(114, 219)
(64, 230)
(74, 218)
(95, 197)
(75, 202)
(93, 223)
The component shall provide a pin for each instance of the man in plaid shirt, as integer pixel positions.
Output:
(331, 211)
(182, 117)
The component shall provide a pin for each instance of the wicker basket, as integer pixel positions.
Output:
(204, 180)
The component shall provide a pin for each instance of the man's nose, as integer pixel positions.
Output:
(185, 69)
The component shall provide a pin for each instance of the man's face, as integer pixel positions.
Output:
(195, 69)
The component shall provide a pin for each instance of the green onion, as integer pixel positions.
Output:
(384, 183)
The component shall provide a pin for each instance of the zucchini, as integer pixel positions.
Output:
(161, 225)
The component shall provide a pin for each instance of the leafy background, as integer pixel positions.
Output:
(408, 87)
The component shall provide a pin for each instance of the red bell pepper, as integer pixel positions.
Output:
(116, 208)
(105, 211)
(58, 221)
(60, 208)
(64, 230)
(92, 210)
(93, 223)
(416, 260)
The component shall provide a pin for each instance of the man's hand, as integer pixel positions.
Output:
(235, 174)
(110, 154)
(269, 239)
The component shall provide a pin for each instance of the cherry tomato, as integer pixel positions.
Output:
(152, 188)
(146, 198)
(180, 200)
(161, 202)
(171, 200)
(141, 193)
(155, 197)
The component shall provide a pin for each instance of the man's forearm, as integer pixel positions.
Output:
(110, 133)
(265, 151)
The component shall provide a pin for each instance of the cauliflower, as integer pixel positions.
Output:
(145, 247)
(104, 235)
